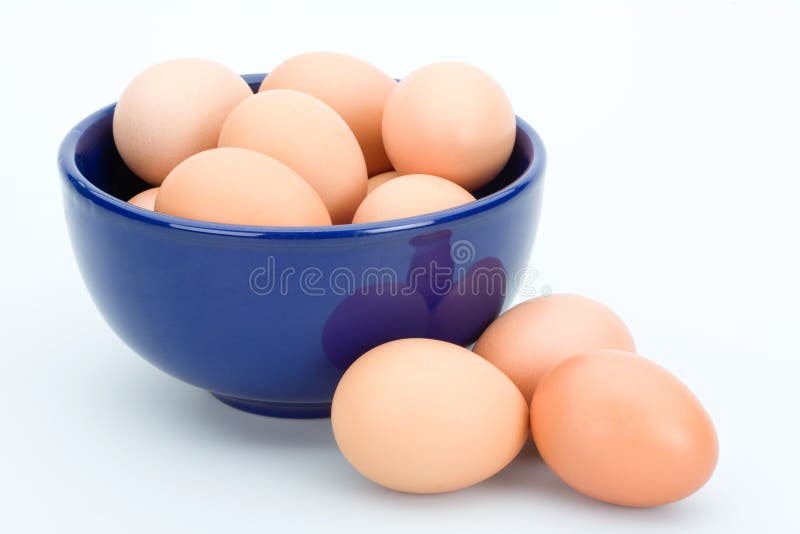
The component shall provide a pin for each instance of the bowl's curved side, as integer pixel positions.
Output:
(276, 320)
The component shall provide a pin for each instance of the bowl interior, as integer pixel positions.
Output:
(99, 162)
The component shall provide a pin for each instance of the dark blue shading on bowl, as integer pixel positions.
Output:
(432, 267)
(372, 316)
(474, 302)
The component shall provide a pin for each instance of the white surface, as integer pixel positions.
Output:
(672, 194)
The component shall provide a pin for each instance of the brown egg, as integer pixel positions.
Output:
(172, 110)
(621, 429)
(146, 199)
(380, 179)
(310, 137)
(426, 416)
(529, 339)
(450, 120)
(238, 186)
(407, 196)
(352, 87)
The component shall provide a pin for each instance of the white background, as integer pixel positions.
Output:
(672, 195)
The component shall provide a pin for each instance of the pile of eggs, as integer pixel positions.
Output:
(330, 139)
(314, 144)
(426, 416)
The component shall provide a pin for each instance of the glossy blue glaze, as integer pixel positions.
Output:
(267, 319)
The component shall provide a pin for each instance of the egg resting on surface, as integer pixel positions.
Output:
(619, 428)
(172, 110)
(307, 135)
(239, 186)
(425, 416)
(532, 337)
(355, 89)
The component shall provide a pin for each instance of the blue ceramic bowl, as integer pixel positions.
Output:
(267, 319)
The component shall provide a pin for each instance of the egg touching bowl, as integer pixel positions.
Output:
(267, 319)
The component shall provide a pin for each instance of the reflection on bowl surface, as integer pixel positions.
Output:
(267, 319)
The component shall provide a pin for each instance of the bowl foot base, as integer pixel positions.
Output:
(288, 410)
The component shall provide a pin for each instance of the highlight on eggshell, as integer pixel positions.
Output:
(307, 135)
(619, 428)
(451, 120)
(355, 89)
(531, 338)
(425, 416)
(410, 195)
(171, 111)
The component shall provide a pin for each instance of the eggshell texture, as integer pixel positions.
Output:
(380, 179)
(621, 429)
(531, 338)
(238, 186)
(146, 199)
(352, 87)
(407, 196)
(310, 137)
(450, 120)
(172, 110)
(425, 416)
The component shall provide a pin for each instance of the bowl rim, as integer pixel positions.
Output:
(68, 167)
